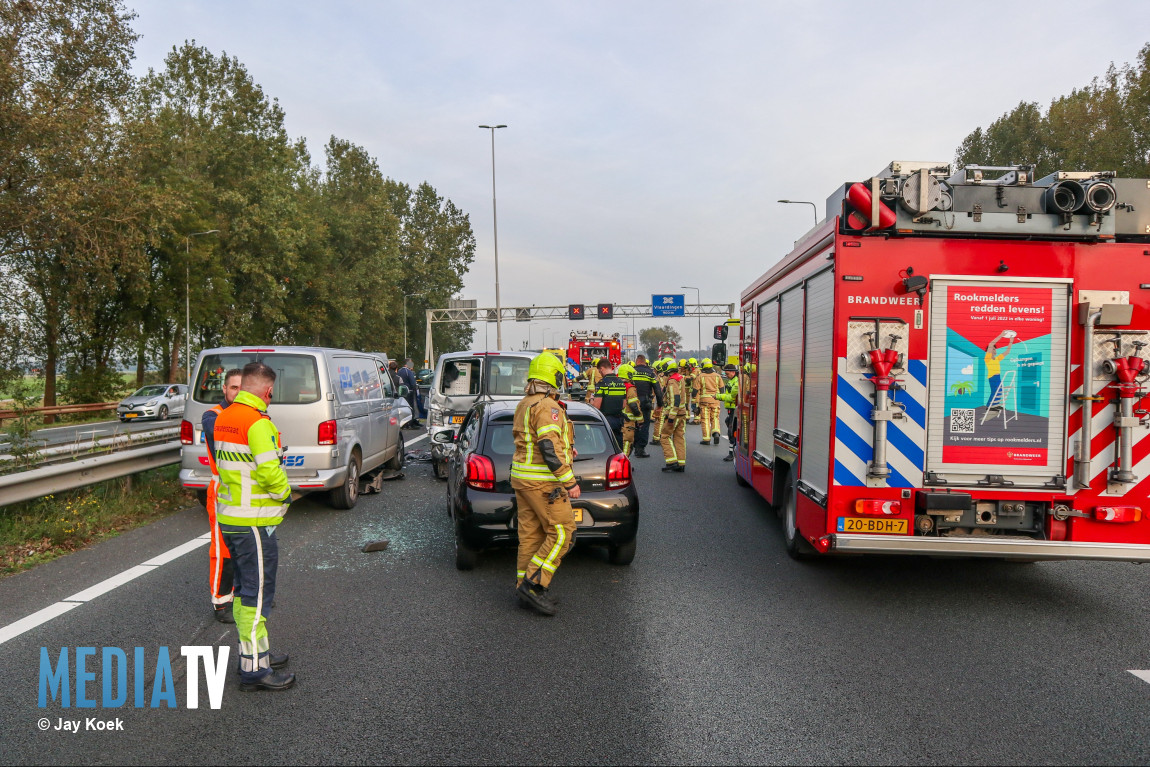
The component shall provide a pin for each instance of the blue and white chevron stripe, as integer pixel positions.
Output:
(854, 430)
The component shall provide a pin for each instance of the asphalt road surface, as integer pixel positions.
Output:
(712, 647)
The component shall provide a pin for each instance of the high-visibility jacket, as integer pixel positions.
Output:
(253, 488)
(675, 397)
(208, 424)
(730, 394)
(544, 439)
(632, 409)
(707, 385)
(593, 378)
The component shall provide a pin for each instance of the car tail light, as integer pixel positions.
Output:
(1118, 513)
(187, 433)
(618, 471)
(327, 435)
(480, 472)
(877, 507)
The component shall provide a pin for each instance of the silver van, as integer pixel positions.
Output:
(460, 379)
(337, 411)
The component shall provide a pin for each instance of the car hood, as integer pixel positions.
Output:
(133, 401)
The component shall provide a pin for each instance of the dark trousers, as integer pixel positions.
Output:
(643, 430)
(255, 552)
(731, 421)
(616, 422)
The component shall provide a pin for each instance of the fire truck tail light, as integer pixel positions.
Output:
(187, 433)
(876, 507)
(1118, 513)
(823, 544)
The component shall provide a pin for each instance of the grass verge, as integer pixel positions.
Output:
(40, 530)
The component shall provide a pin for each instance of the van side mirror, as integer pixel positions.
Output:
(403, 390)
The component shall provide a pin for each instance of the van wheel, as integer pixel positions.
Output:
(344, 497)
(396, 463)
(623, 554)
(797, 546)
(202, 497)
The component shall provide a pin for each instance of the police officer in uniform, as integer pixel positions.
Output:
(610, 397)
(730, 399)
(650, 397)
(544, 482)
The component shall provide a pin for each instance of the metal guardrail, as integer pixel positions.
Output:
(46, 480)
(93, 407)
(94, 446)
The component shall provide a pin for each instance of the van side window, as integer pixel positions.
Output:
(358, 379)
(388, 388)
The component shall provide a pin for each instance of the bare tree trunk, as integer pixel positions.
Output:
(141, 358)
(174, 360)
(51, 349)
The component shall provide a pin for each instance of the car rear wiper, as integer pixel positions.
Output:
(583, 458)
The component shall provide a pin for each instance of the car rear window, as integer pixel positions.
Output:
(460, 377)
(591, 439)
(297, 376)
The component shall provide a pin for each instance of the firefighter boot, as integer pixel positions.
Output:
(536, 596)
(715, 437)
(272, 680)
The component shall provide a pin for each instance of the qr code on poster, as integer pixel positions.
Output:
(962, 420)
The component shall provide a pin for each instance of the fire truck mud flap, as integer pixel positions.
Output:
(985, 546)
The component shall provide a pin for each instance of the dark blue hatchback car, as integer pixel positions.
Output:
(482, 504)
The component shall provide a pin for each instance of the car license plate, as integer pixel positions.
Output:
(870, 525)
(456, 419)
(578, 515)
(130, 415)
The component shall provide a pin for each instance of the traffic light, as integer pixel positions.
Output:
(574, 311)
(720, 332)
(606, 311)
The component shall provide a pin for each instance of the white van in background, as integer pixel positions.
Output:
(338, 413)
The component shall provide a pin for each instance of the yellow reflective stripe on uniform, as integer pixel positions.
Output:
(561, 534)
(546, 429)
(567, 476)
(528, 436)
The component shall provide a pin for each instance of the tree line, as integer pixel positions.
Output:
(107, 181)
(1102, 126)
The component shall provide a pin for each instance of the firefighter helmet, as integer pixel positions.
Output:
(682, 363)
(547, 368)
(706, 363)
(625, 371)
(693, 362)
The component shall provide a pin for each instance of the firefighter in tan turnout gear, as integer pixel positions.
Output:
(543, 481)
(673, 434)
(708, 384)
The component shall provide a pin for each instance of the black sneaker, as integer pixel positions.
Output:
(729, 457)
(537, 597)
(272, 680)
(224, 614)
(715, 437)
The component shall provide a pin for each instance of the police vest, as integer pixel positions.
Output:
(614, 393)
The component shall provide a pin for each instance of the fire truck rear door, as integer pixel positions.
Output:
(997, 381)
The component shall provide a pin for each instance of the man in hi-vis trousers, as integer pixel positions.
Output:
(251, 501)
(544, 482)
(220, 575)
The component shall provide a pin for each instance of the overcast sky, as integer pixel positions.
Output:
(647, 141)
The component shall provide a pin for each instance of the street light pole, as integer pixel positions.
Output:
(814, 207)
(698, 310)
(407, 296)
(495, 231)
(188, 301)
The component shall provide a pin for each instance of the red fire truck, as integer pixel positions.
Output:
(954, 364)
(587, 346)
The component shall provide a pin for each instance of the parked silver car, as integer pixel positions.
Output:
(154, 401)
(461, 378)
(337, 411)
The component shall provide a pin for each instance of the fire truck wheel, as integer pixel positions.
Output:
(742, 482)
(797, 546)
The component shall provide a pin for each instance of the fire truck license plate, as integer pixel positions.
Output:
(867, 525)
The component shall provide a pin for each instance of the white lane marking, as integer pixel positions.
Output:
(179, 551)
(417, 439)
(1143, 675)
(35, 619)
(13, 630)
